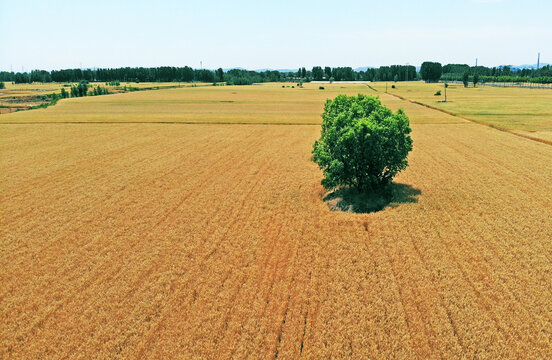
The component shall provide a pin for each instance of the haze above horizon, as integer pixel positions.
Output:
(284, 35)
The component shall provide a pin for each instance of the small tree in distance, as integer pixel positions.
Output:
(465, 79)
(363, 144)
(475, 80)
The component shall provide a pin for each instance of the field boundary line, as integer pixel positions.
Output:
(497, 127)
(154, 122)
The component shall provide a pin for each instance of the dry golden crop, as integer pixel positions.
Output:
(212, 241)
(265, 103)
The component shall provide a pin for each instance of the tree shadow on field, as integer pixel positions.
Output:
(350, 200)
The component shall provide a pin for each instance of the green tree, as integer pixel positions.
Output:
(328, 72)
(465, 79)
(475, 80)
(363, 144)
(220, 74)
(317, 73)
(303, 72)
(2, 85)
(431, 71)
(82, 88)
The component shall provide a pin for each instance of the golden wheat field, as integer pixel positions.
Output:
(266, 103)
(202, 236)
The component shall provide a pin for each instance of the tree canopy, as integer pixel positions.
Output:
(431, 71)
(363, 144)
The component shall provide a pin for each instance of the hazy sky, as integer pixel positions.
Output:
(57, 34)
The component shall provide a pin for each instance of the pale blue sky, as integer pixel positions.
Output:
(280, 34)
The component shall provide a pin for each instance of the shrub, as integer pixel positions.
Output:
(363, 144)
(393, 87)
(438, 93)
(321, 88)
(2, 85)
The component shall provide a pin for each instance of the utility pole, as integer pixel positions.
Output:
(538, 61)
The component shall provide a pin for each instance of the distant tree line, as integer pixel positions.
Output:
(429, 71)
(248, 77)
(466, 73)
(232, 77)
(383, 73)
(81, 89)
